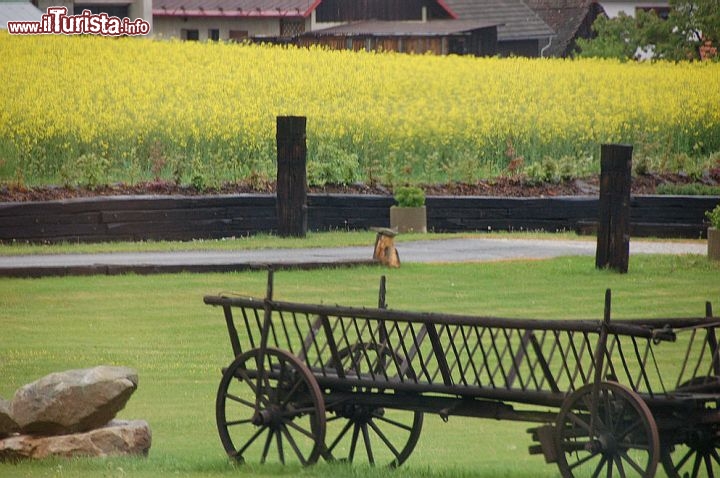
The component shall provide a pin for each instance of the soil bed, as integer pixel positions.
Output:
(499, 187)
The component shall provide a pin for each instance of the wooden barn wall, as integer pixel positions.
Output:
(525, 48)
(406, 44)
(484, 42)
(207, 217)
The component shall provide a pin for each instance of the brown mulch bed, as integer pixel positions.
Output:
(499, 187)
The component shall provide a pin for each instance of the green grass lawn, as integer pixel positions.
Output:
(159, 325)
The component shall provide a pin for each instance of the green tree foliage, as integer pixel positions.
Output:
(616, 38)
(689, 24)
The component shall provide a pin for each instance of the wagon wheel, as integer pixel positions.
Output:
(696, 456)
(388, 436)
(696, 453)
(625, 439)
(280, 420)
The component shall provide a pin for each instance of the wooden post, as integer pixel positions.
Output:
(291, 176)
(613, 240)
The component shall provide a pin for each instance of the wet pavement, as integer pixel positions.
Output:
(445, 250)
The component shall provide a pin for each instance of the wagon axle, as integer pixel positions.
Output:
(271, 417)
(360, 413)
(605, 443)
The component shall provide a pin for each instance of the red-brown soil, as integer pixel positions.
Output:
(501, 187)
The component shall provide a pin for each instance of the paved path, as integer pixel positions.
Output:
(448, 250)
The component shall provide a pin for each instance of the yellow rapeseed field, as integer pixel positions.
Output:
(96, 109)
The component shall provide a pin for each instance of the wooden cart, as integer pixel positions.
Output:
(313, 381)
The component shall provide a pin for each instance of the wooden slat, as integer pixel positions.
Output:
(185, 218)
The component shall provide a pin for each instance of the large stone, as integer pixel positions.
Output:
(73, 401)
(116, 439)
(7, 423)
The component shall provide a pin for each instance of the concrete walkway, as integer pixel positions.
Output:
(448, 250)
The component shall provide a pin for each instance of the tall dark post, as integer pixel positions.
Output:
(613, 240)
(291, 176)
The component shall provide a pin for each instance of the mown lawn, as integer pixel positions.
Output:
(160, 326)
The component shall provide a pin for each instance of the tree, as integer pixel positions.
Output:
(696, 22)
(690, 24)
(615, 38)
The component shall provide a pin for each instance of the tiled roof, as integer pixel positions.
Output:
(18, 11)
(234, 8)
(567, 18)
(517, 21)
(385, 28)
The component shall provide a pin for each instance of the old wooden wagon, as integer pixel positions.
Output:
(313, 381)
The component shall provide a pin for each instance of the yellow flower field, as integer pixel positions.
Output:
(97, 109)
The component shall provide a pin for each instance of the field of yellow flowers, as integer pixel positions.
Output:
(95, 110)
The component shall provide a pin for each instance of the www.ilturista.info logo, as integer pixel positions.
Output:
(57, 21)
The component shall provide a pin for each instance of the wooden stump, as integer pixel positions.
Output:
(385, 252)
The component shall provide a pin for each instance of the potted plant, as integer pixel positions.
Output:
(713, 233)
(409, 214)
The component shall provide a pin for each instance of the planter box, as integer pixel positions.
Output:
(714, 244)
(408, 219)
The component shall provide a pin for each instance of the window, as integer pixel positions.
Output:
(120, 11)
(214, 34)
(238, 35)
(190, 35)
(290, 27)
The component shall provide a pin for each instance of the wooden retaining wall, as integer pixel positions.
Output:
(205, 217)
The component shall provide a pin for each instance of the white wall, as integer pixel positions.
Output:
(171, 27)
(614, 8)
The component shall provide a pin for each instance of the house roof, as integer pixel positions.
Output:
(234, 8)
(105, 2)
(517, 21)
(399, 28)
(566, 17)
(18, 12)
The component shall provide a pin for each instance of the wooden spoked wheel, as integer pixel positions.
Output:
(280, 418)
(694, 452)
(624, 439)
(368, 434)
(696, 457)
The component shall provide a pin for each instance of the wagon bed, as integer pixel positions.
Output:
(352, 384)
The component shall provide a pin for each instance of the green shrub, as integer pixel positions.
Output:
(198, 174)
(714, 217)
(409, 196)
(88, 170)
(332, 165)
(693, 189)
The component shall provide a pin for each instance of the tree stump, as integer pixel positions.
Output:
(385, 252)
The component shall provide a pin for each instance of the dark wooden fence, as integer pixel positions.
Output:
(206, 217)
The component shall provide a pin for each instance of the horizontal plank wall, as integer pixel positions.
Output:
(137, 218)
(206, 217)
(458, 214)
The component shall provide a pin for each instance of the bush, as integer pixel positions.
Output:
(714, 217)
(693, 189)
(88, 170)
(409, 196)
(332, 165)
